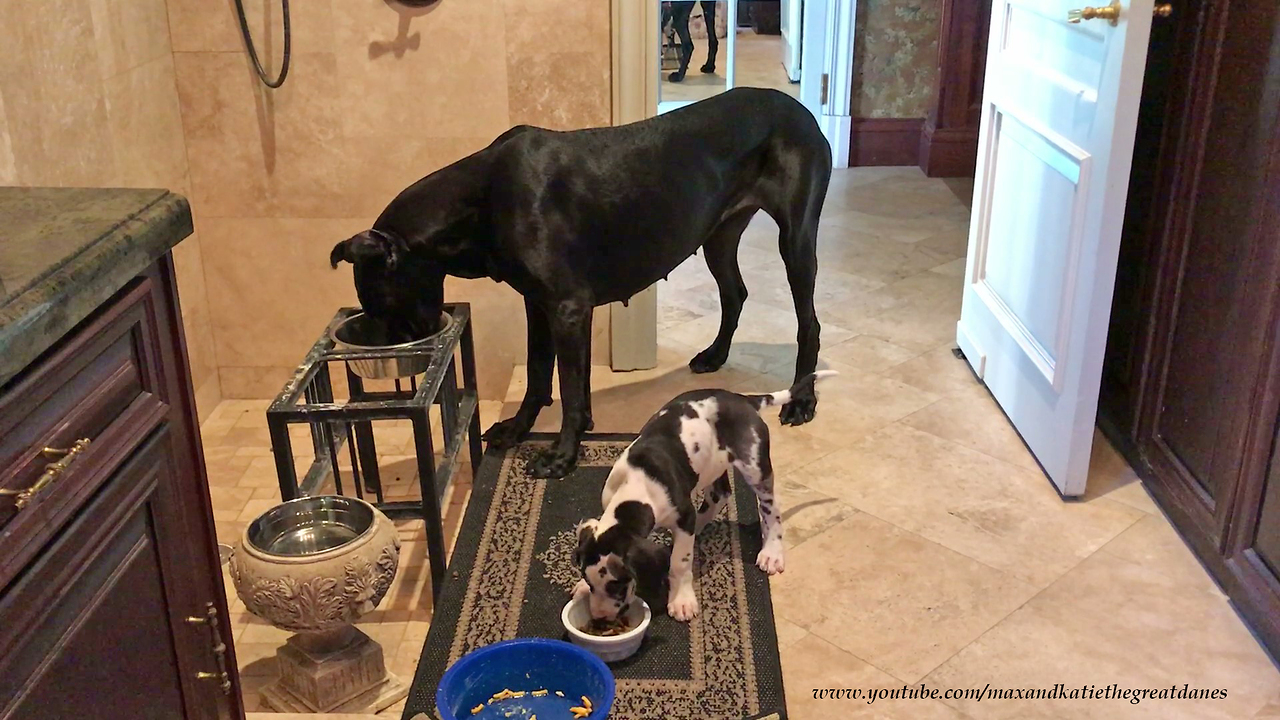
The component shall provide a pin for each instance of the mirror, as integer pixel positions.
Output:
(709, 46)
(695, 51)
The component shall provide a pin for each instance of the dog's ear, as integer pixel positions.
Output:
(636, 517)
(650, 563)
(370, 245)
(586, 534)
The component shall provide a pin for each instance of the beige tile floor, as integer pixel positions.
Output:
(758, 63)
(924, 545)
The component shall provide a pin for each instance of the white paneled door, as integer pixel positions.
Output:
(792, 16)
(1059, 118)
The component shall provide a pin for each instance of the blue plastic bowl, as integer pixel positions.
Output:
(525, 664)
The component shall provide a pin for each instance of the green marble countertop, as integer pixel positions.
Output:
(65, 251)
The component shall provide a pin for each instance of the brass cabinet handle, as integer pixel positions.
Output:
(219, 648)
(52, 472)
(1162, 10)
(1110, 13)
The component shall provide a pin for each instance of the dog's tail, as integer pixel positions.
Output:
(803, 386)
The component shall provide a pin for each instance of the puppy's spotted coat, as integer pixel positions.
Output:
(689, 445)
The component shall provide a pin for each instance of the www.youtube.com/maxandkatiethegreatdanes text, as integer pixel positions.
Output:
(1057, 692)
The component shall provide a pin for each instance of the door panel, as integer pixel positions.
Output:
(1058, 126)
(1266, 540)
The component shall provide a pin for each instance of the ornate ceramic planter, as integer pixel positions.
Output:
(314, 566)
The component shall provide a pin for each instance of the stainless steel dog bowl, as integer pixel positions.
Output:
(360, 333)
(310, 525)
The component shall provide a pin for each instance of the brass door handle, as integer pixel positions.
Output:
(1162, 10)
(52, 472)
(1110, 13)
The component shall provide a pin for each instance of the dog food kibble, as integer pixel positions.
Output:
(607, 628)
(578, 711)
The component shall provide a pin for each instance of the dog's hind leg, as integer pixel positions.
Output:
(757, 470)
(721, 253)
(799, 254)
(541, 361)
(680, 19)
(715, 499)
(713, 40)
(799, 245)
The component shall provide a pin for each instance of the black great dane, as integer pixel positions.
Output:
(573, 220)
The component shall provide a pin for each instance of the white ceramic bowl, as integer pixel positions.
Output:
(610, 648)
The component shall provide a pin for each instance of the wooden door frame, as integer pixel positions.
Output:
(634, 34)
(633, 328)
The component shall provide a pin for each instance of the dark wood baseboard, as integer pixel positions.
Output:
(948, 152)
(885, 141)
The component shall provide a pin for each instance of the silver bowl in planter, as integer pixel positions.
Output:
(361, 333)
(316, 564)
(310, 525)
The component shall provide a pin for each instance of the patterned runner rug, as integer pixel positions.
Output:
(512, 572)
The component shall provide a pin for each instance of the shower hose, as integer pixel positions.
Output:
(253, 53)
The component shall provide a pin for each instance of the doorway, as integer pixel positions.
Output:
(824, 52)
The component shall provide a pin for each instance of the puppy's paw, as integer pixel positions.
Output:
(799, 411)
(581, 590)
(553, 465)
(506, 434)
(683, 606)
(709, 360)
(770, 559)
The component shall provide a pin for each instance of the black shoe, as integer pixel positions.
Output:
(709, 68)
(677, 76)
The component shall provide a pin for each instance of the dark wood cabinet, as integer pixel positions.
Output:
(111, 597)
(1191, 385)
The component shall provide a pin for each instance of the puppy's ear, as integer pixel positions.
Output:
(586, 534)
(650, 563)
(636, 517)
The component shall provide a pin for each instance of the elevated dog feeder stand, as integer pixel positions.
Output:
(308, 398)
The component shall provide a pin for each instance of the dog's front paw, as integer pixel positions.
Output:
(799, 411)
(709, 360)
(770, 559)
(581, 590)
(684, 606)
(553, 465)
(506, 433)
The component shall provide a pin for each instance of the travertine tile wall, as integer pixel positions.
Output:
(88, 98)
(379, 95)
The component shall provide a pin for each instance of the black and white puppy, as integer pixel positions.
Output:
(691, 444)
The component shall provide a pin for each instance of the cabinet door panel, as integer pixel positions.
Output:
(95, 627)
